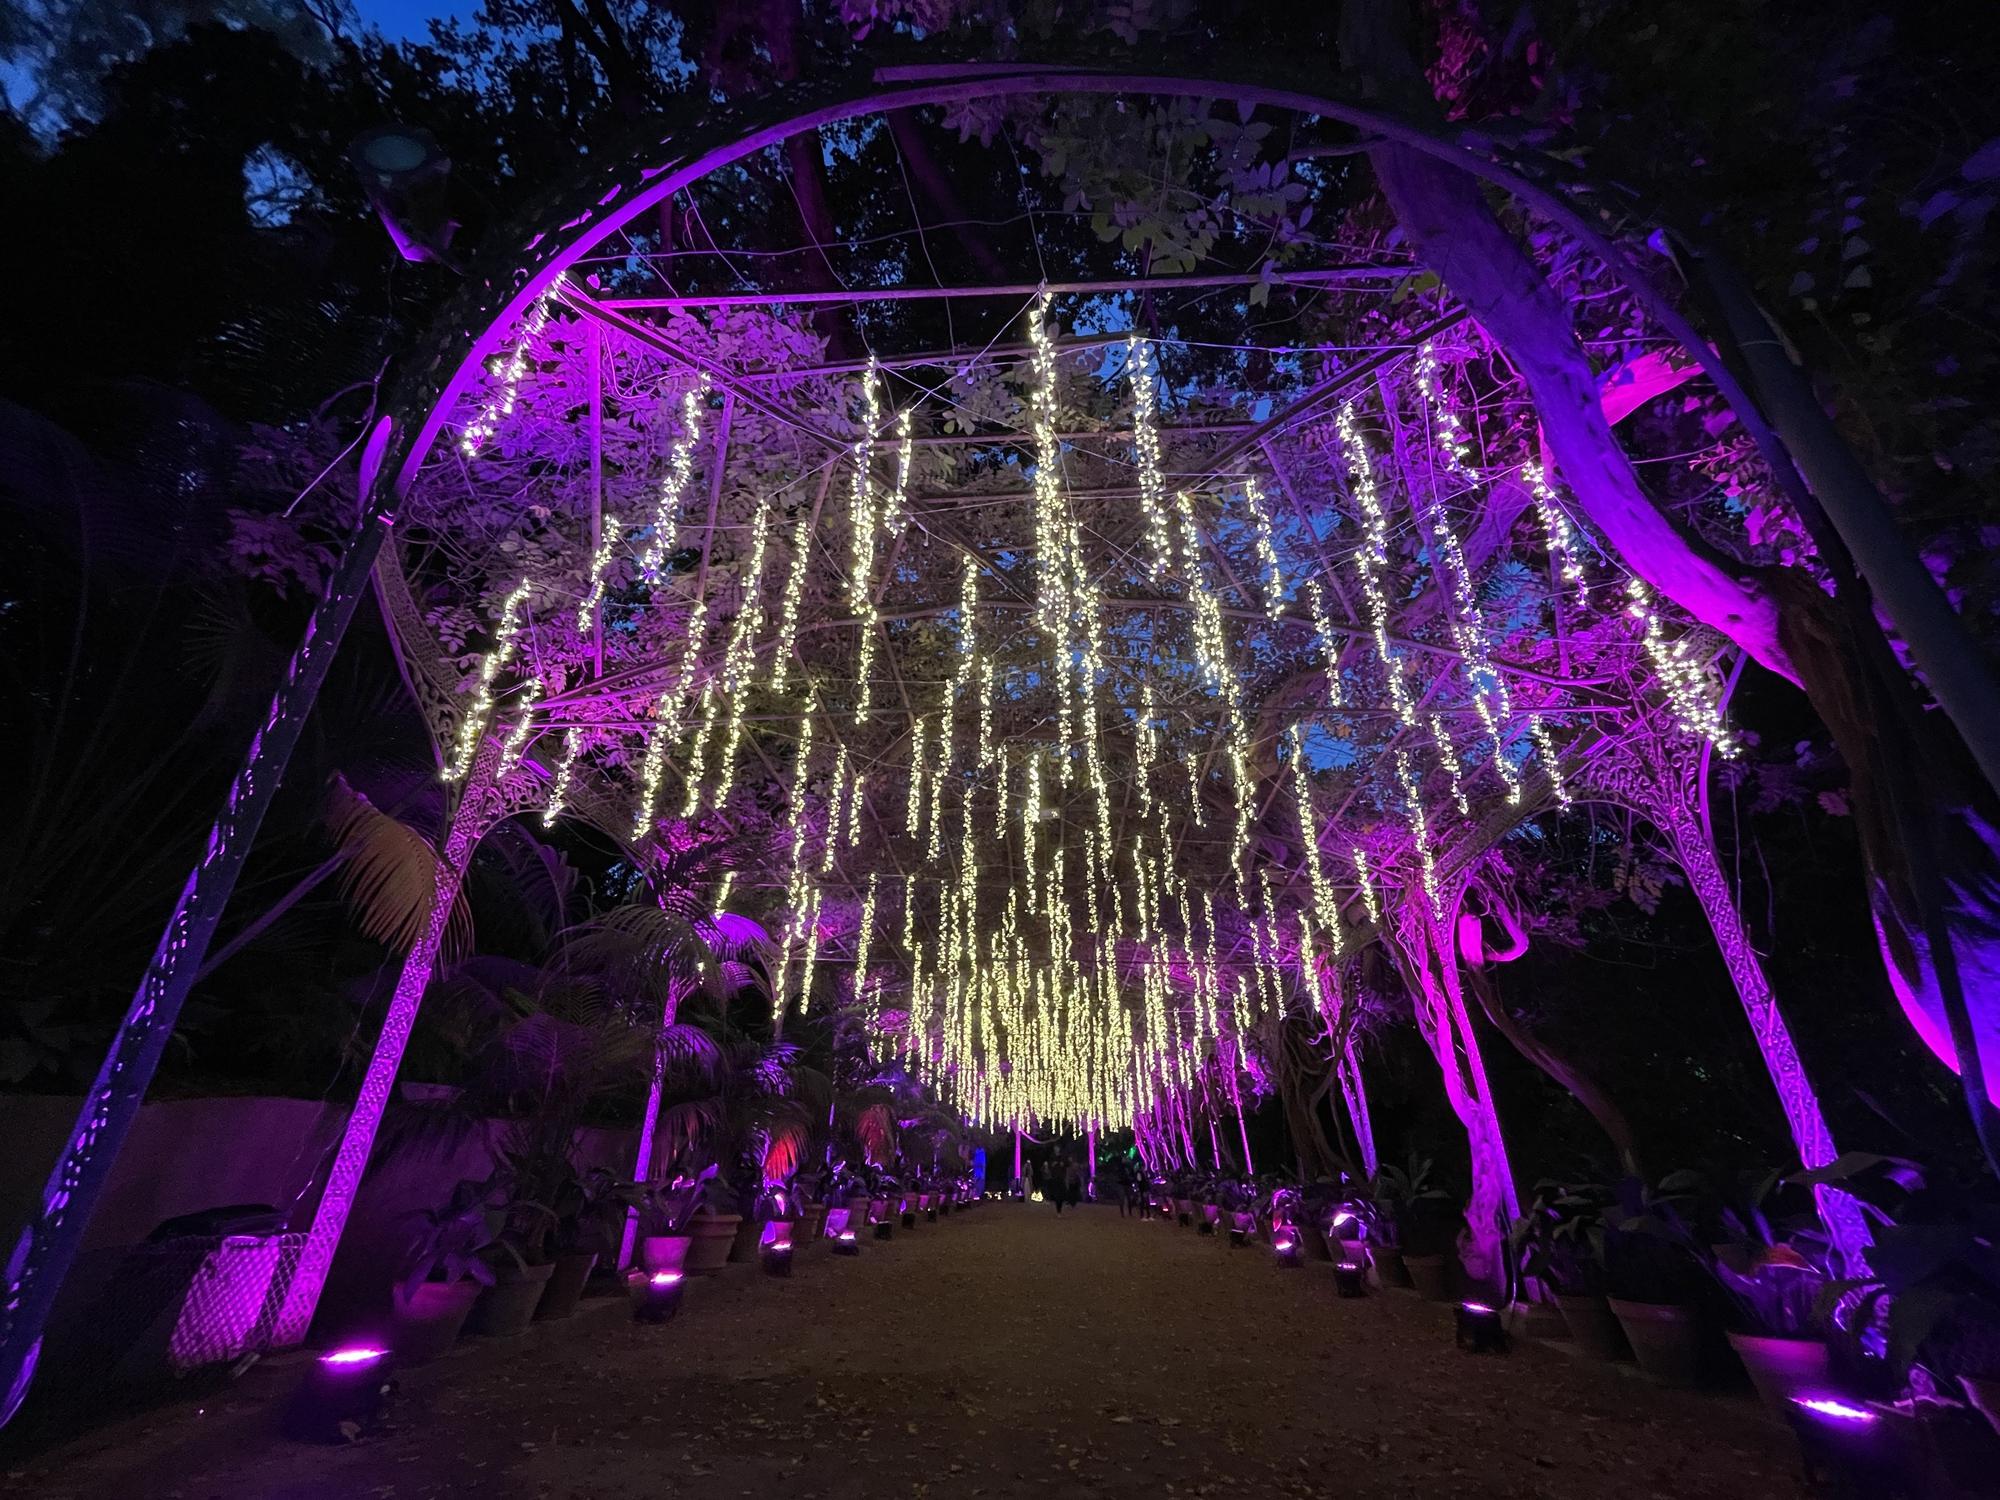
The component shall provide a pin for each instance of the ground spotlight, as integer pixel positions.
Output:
(845, 1243)
(343, 1395)
(1285, 1245)
(656, 1298)
(777, 1257)
(1350, 1280)
(1480, 1329)
(1845, 1451)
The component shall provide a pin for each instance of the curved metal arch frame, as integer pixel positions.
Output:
(725, 134)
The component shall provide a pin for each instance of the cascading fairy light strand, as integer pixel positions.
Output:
(673, 490)
(1556, 528)
(565, 776)
(864, 937)
(890, 522)
(1448, 758)
(913, 819)
(1271, 573)
(515, 746)
(1420, 831)
(788, 610)
(1539, 733)
(836, 789)
(1680, 675)
(1054, 607)
(1371, 560)
(511, 373)
(1367, 883)
(1325, 908)
(1141, 372)
(737, 660)
(593, 593)
(1329, 650)
(472, 728)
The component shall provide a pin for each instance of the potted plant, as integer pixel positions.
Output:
(442, 1275)
(1654, 1273)
(1426, 1224)
(1772, 1276)
(588, 1210)
(519, 1255)
(1559, 1245)
(666, 1219)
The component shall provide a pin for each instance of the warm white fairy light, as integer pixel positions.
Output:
(1329, 649)
(1273, 575)
(737, 659)
(472, 728)
(501, 406)
(861, 498)
(1054, 607)
(722, 891)
(1680, 674)
(516, 744)
(593, 594)
(680, 469)
(1561, 536)
(565, 775)
(836, 788)
(812, 952)
(1325, 908)
(1367, 883)
(1539, 732)
(788, 610)
(795, 884)
(1420, 830)
(1448, 758)
(697, 767)
(1371, 560)
(864, 937)
(1193, 763)
(890, 519)
(1141, 373)
(854, 805)
(913, 817)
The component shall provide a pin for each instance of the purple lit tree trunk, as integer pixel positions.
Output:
(1658, 774)
(48, 1245)
(1354, 1091)
(1429, 962)
(642, 1163)
(482, 804)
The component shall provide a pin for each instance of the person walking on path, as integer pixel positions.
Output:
(1057, 1185)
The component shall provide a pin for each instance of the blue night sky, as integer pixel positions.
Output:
(399, 19)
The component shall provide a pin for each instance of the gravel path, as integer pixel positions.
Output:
(1005, 1352)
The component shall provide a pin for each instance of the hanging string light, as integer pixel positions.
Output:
(737, 659)
(1054, 608)
(1267, 551)
(1325, 907)
(1371, 560)
(593, 594)
(1329, 650)
(1141, 373)
(516, 744)
(788, 610)
(680, 469)
(1420, 831)
(1448, 758)
(1680, 674)
(835, 790)
(1560, 535)
(1538, 731)
(892, 520)
(1367, 884)
(863, 937)
(501, 406)
(472, 728)
(913, 819)
(854, 804)
(565, 774)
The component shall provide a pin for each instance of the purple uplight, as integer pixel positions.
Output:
(1834, 1410)
(341, 1358)
(665, 1278)
(1283, 1245)
(1478, 1308)
(847, 1235)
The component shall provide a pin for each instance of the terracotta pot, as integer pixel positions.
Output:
(1389, 1266)
(505, 1308)
(710, 1236)
(566, 1285)
(857, 1213)
(1665, 1339)
(664, 1252)
(810, 1225)
(429, 1323)
(743, 1245)
(1781, 1368)
(1593, 1327)
(1430, 1275)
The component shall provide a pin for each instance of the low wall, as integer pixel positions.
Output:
(185, 1155)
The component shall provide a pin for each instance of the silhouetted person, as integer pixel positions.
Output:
(1057, 1184)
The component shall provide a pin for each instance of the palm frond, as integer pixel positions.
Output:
(389, 875)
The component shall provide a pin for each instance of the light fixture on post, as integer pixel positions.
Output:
(655, 1298)
(343, 1396)
(1480, 1329)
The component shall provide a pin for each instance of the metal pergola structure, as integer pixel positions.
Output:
(799, 416)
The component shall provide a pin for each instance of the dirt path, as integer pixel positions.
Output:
(1004, 1352)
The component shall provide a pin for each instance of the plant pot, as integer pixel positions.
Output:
(1593, 1327)
(1312, 1242)
(743, 1244)
(1665, 1339)
(505, 1308)
(1389, 1266)
(709, 1239)
(1354, 1252)
(429, 1323)
(857, 1213)
(810, 1226)
(1781, 1368)
(566, 1285)
(664, 1252)
(1430, 1275)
